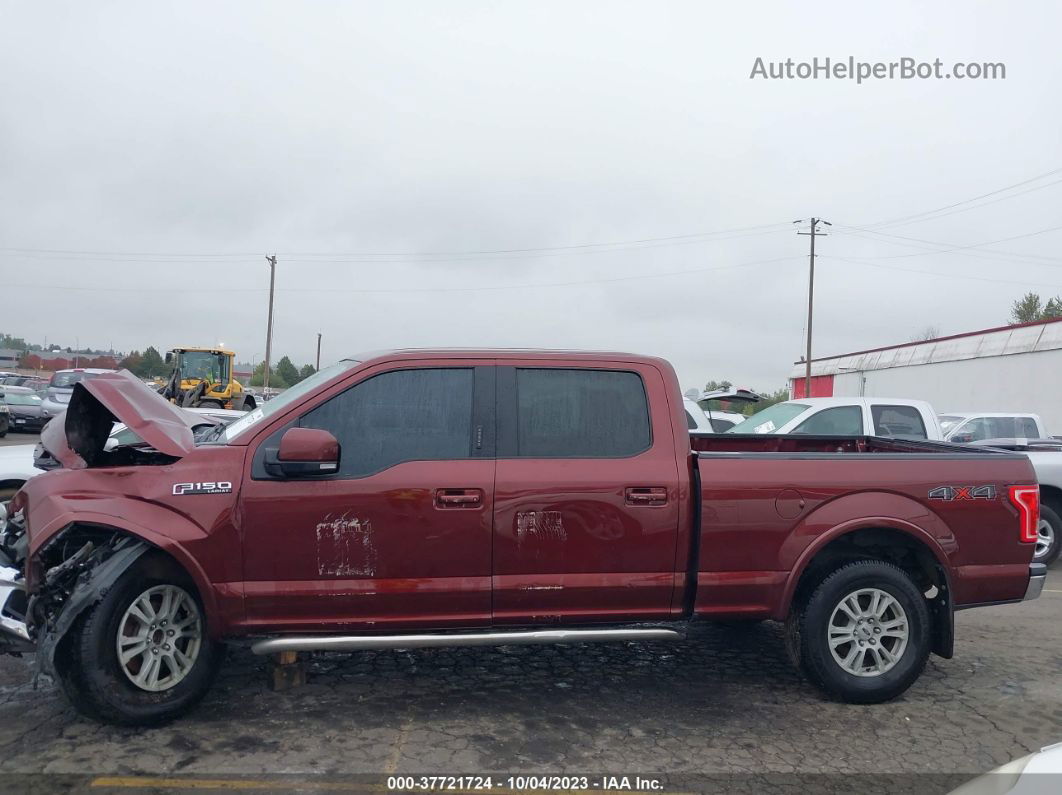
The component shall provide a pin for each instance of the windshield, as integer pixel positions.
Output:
(948, 421)
(770, 419)
(206, 366)
(285, 399)
(21, 399)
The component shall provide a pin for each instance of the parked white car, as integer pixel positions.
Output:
(847, 416)
(963, 427)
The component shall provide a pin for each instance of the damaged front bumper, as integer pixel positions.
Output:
(14, 634)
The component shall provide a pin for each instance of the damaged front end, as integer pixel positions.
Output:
(73, 571)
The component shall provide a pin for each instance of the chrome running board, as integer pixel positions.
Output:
(424, 641)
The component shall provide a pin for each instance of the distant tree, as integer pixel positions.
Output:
(258, 377)
(152, 364)
(287, 371)
(928, 333)
(711, 386)
(769, 399)
(1031, 307)
(306, 371)
(133, 362)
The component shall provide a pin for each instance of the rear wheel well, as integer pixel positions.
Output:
(893, 546)
(873, 543)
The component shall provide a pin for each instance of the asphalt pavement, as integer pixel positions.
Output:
(17, 437)
(721, 709)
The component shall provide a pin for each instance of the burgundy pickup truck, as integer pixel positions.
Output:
(439, 498)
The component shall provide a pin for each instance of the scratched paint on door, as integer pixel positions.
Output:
(546, 525)
(345, 547)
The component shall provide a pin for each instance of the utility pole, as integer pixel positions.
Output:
(814, 223)
(269, 322)
(318, 367)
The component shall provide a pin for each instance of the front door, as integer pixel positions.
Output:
(586, 504)
(401, 535)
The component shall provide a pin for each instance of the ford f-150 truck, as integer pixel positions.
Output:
(433, 498)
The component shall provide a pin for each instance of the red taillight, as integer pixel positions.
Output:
(1027, 500)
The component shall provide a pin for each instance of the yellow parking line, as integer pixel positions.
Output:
(135, 782)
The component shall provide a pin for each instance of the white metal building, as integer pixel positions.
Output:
(1010, 368)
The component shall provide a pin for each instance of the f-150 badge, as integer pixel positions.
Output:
(949, 493)
(208, 487)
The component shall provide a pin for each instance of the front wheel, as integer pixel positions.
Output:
(864, 635)
(141, 656)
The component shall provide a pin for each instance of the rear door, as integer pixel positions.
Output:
(586, 496)
(400, 536)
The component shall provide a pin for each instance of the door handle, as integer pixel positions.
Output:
(458, 498)
(646, 495)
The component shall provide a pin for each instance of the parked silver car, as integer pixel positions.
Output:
(61, 387)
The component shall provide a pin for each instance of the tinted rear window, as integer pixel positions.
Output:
(568, 413)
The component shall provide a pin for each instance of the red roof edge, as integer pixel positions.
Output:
(938, 339)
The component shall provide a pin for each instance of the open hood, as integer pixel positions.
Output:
(77, 437)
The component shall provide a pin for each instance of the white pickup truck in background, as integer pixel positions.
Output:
(847, 416)
(963, 427)
(1046, 457)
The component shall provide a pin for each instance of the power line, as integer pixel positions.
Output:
(170, 256)
(481, 288)
(957, 248)
(908, 218)
(951, 276)
(1004, 256)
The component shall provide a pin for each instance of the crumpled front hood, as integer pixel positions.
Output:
(77, 436)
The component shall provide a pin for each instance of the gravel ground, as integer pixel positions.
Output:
(723, 707)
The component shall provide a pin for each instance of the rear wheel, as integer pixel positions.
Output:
(864, 634)
(1048, 535)
(141, 656)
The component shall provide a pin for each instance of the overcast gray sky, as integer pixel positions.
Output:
(329, 132)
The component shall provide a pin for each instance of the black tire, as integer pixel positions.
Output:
(210, 404)
(808, 634)
(87, 659)
(1050, 515)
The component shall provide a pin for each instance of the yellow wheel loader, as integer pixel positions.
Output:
(202, 377)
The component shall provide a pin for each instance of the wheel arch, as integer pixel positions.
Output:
(902, 543)
(172, 547)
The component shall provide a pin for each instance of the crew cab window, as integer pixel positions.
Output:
(904, 422)
(403, 415)
(1028, 428)
(569, 413)
(836, 421)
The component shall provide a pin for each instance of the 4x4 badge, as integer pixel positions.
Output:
(950, 493)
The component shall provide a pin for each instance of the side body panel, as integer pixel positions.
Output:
(571, 543)
(764, 515)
